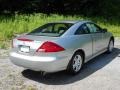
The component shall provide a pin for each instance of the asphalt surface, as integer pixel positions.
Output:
(101, 73)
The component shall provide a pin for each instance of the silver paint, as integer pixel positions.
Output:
(92, 45)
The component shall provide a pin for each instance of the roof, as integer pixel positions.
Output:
(72, 21)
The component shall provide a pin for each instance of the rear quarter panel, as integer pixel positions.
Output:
(73, 43)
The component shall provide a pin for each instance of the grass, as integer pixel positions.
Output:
(18, 24)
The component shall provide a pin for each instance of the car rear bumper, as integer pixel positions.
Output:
(37, 63)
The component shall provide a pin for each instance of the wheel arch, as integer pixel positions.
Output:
(69, 64)
(82, 52)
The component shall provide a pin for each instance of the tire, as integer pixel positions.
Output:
(110, 46)
(75, 63)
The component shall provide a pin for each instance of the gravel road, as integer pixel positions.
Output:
(101, 73)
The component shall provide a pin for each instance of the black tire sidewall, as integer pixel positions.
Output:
(108, 51)
(70, 65)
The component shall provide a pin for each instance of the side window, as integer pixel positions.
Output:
(82, 30)
(94, 28)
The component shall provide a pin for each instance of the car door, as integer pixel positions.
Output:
(85, 40)
(97, 36)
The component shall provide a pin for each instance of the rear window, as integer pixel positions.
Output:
(51, 29)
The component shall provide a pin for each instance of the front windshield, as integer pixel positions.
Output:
(51, 29)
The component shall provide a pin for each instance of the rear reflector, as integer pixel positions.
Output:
(50, 47)
(24, 39)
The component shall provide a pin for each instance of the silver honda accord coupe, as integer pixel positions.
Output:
(64, 45)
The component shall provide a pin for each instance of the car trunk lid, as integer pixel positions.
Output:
(28, 44)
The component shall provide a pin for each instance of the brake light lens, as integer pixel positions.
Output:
(24, 39)
(50, 47)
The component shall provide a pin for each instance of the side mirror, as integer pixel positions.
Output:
(104, 30)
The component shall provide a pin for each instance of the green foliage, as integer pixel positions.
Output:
(4, 45)
(25, 23)
(19, 24)
(19, 16)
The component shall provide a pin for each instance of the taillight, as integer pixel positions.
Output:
(50, 47)
(24, 39)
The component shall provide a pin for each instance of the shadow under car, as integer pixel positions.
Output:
(61, 78)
